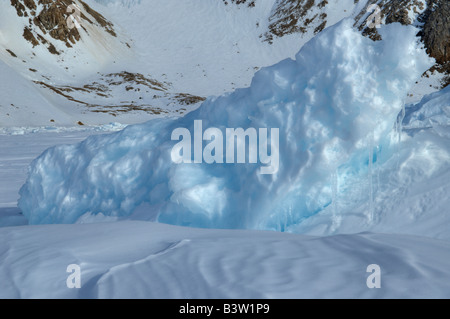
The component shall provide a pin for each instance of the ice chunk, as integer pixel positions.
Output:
(341, 88)
(412, 180)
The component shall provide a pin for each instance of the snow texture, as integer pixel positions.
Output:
(132, 259)
(342, 93)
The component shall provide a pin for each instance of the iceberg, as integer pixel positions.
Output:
(333, 105)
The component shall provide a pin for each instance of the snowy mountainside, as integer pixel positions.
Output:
(38, 36)
(194, 49)
(24, 100)
(79, 72)
(431, 18)
(308, 17)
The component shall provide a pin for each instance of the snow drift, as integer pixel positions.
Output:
(132, 259)
(333, 105)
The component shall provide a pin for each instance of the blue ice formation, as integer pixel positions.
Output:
(341, 94)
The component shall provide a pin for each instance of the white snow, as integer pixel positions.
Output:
(24, 108)
(147, 260)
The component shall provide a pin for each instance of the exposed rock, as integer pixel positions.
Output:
(20, 8)
(294, 16)
(108, 26)
(28, 35)
(52, 20)
(291, 16)
(188, 99)
(391, 11)
(134, 78)
(436, 31)
(320, 27)
(250, 3)
(12, 53)
(107, 84)
(433, 18)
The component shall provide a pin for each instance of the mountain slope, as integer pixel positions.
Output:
(191, 49)
(104, 70)
(148, 260)
(80, 72)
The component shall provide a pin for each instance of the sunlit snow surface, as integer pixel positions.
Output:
(132, 259)
(336, 101)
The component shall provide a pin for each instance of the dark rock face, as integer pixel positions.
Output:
(436, 32)
(434, 24)
(52, 20)
(436, 35)
(391, 11)
(250, 3)
(397, 10)
(294, 16)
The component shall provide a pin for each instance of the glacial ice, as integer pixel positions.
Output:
(340, 96)
(433, 111)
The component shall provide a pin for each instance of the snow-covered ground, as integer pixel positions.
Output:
(147, 260)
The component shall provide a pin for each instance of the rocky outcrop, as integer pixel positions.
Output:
(291, 16)
(391, 11)
(294, 16)
(52, 20)
(436, 31)
(433, 17)
(250, 3)
(98, 96)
